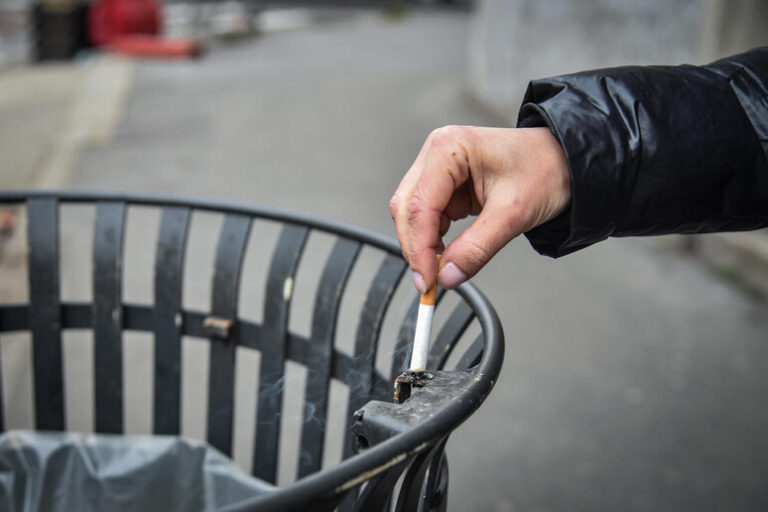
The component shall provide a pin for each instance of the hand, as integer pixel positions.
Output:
(513, 179)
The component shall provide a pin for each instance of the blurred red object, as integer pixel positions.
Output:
(112, 19)
(132, 27)
(149, 46)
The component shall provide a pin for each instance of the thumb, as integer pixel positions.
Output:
(493, 228)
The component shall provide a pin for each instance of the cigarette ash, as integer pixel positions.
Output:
(408, 380)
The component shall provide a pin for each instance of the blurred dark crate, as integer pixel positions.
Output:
(60, 30)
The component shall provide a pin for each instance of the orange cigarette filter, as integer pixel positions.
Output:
(429, 297)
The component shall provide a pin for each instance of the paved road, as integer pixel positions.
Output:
(633, 380)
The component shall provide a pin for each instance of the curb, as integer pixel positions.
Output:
(92, 119)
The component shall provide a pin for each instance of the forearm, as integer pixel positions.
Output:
(655, 150)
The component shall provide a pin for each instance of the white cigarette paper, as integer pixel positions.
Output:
(424, 328)
(422, 337)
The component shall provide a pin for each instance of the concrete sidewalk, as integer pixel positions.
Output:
(52, 112)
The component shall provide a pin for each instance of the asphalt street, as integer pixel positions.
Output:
(634, 379)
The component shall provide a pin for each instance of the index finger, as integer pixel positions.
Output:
(442, 169)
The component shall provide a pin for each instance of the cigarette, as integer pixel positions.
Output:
(424, 328)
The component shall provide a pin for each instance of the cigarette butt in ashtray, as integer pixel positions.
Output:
(416, 375)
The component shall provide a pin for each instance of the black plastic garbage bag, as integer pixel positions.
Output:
(89, 472)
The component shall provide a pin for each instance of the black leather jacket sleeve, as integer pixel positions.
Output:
(658, 149)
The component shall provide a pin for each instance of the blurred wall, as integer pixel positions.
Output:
(734, 26)
(514, 41)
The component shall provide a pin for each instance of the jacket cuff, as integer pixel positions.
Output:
(654, 150)
(573, 229)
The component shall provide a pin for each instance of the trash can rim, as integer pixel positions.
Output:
(208, 204)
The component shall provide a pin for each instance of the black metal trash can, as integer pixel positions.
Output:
(393, 454)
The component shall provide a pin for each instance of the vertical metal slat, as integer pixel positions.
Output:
(226, 280)
(2, 404)
(410, 495)
(280, 285)
(472, 355)
(327, 302)
(363, 363)
(435, 495)
(45, 312)
(449, 335)
(378, 491)
(108, 315)
(169, 266)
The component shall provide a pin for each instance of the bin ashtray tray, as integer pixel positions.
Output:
(377, 421)
(408, 380)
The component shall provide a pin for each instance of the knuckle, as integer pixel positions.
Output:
(415, 210)
(448, 133)
(394, 206)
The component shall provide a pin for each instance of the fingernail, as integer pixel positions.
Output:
(451, 276)
(419, 282)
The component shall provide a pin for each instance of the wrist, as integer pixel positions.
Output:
(555, 165)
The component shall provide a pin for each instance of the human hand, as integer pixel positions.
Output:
(513, 179)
